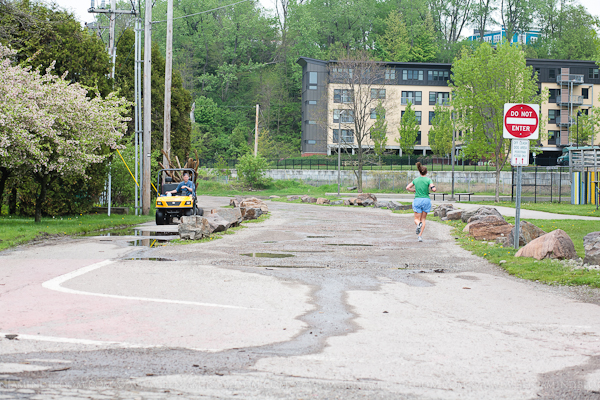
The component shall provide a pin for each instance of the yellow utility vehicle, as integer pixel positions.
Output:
(178, 205)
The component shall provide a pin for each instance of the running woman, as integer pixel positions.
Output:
(422, 204)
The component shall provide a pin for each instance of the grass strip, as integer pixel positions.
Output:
(551, 272)
(585, 210)
(16, 230)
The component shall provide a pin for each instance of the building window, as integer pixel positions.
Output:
(554, 137)
(312, 102)
(522, 38)
(312, 80)
(552, 73)
(585, 93)
(439, 98)
(537, 72)
(497, 38)
(552, 114)
(390, 74)
(415, 98)
(347, 136)
(341, 73)
(418, 140)
(311, 122)
(347, 116)
(487, 39)
(311, 141)
(417, 115)
(412, 75)
(431, 117)
(438, 75)
(378, 93)
(593, 73)
(533, 39)
(342, 95)
(553, 94)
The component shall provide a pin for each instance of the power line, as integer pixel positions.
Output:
(202, 12)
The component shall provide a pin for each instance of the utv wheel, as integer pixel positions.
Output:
(199, 211)
(160, 218)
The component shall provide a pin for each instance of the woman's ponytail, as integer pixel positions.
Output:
(422, 169)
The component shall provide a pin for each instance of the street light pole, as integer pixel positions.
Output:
(452, 156)
(339, 150)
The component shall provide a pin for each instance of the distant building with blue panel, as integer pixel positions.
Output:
(497, 36)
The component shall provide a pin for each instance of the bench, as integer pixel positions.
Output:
(439, 194)
(464, 194)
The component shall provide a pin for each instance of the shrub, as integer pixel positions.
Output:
(251, 170)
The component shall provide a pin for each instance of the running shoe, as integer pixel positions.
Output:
(420, 239)
(419, 227)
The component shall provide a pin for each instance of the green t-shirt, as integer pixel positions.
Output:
(422, 187)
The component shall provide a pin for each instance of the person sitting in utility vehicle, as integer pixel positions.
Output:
(186, 187)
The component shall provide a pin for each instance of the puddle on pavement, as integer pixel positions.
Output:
(267, 255)
(288, 266)
(111, 232)
(146, 233)
(148, 259)
(307, 251)
(148, 242)
(318, 237)
(348, 244)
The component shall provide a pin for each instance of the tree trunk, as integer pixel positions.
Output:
(498, 169)
(12, 202)
(41, 198)
(3, 179)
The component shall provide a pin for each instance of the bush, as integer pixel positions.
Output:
(251, 170)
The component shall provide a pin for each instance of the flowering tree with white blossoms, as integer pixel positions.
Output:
(50, 128)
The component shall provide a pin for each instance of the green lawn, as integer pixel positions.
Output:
(18, 230)
(547, 271)
(588, 210)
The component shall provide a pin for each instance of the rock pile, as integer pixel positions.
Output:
(591, 244)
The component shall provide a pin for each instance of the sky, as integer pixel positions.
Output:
(80, 7)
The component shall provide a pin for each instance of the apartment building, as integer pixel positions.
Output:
(497, 36)
(425, 85)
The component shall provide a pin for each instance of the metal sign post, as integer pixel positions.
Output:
(521, 124)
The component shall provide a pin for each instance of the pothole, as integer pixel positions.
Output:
(148, 242)
(267, 255)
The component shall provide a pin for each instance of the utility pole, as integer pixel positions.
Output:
(168, 77)
(453, 154)
(146, 178)
(256, 133)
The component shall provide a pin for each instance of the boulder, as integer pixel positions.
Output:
(353, 201)
(488, 218)
(381, 204)
(234, 203)
(336, 202)
(367, 203)
(442, 210)
(591, 244)
(489, 229)
(308, 199)
(193, 227)
(217, 223)
(454, 215)
(527, 233)
(251, 213)
(466, 215)
(395, 206)
(322, 200)
(253, 202)
(347, 202)
(351, 188)
(502, 240)
(292, 198)
(232, 215)
(556, 244)
(274, 197)
(484, 212)
(364, 196)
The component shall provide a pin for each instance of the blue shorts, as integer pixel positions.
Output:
(421, 205)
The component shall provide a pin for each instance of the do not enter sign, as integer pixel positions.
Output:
(521, 121)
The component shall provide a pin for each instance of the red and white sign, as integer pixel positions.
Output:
(521, 121)
(519, 152)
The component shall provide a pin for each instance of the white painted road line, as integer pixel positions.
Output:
(55, 284)
(521, 121)
(125, 345)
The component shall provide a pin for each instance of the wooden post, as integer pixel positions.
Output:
(168, 78)
(256, 133)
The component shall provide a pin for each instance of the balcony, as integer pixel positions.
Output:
(405, 100)
(440, 102)
(564, 79)
(565, 122)
(565, 100)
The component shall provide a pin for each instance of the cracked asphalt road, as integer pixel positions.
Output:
(357, 312)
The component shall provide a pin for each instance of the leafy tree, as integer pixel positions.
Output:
(440, 134)
(482, 15)
(450, 17)
(395, 43)
(424, 48)
(50, 128)
(483, 81)
(408, 130)
(516, 16)
(586, 127)
(379, 131)
(252, 170)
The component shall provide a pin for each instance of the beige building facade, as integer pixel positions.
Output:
(574, 88)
